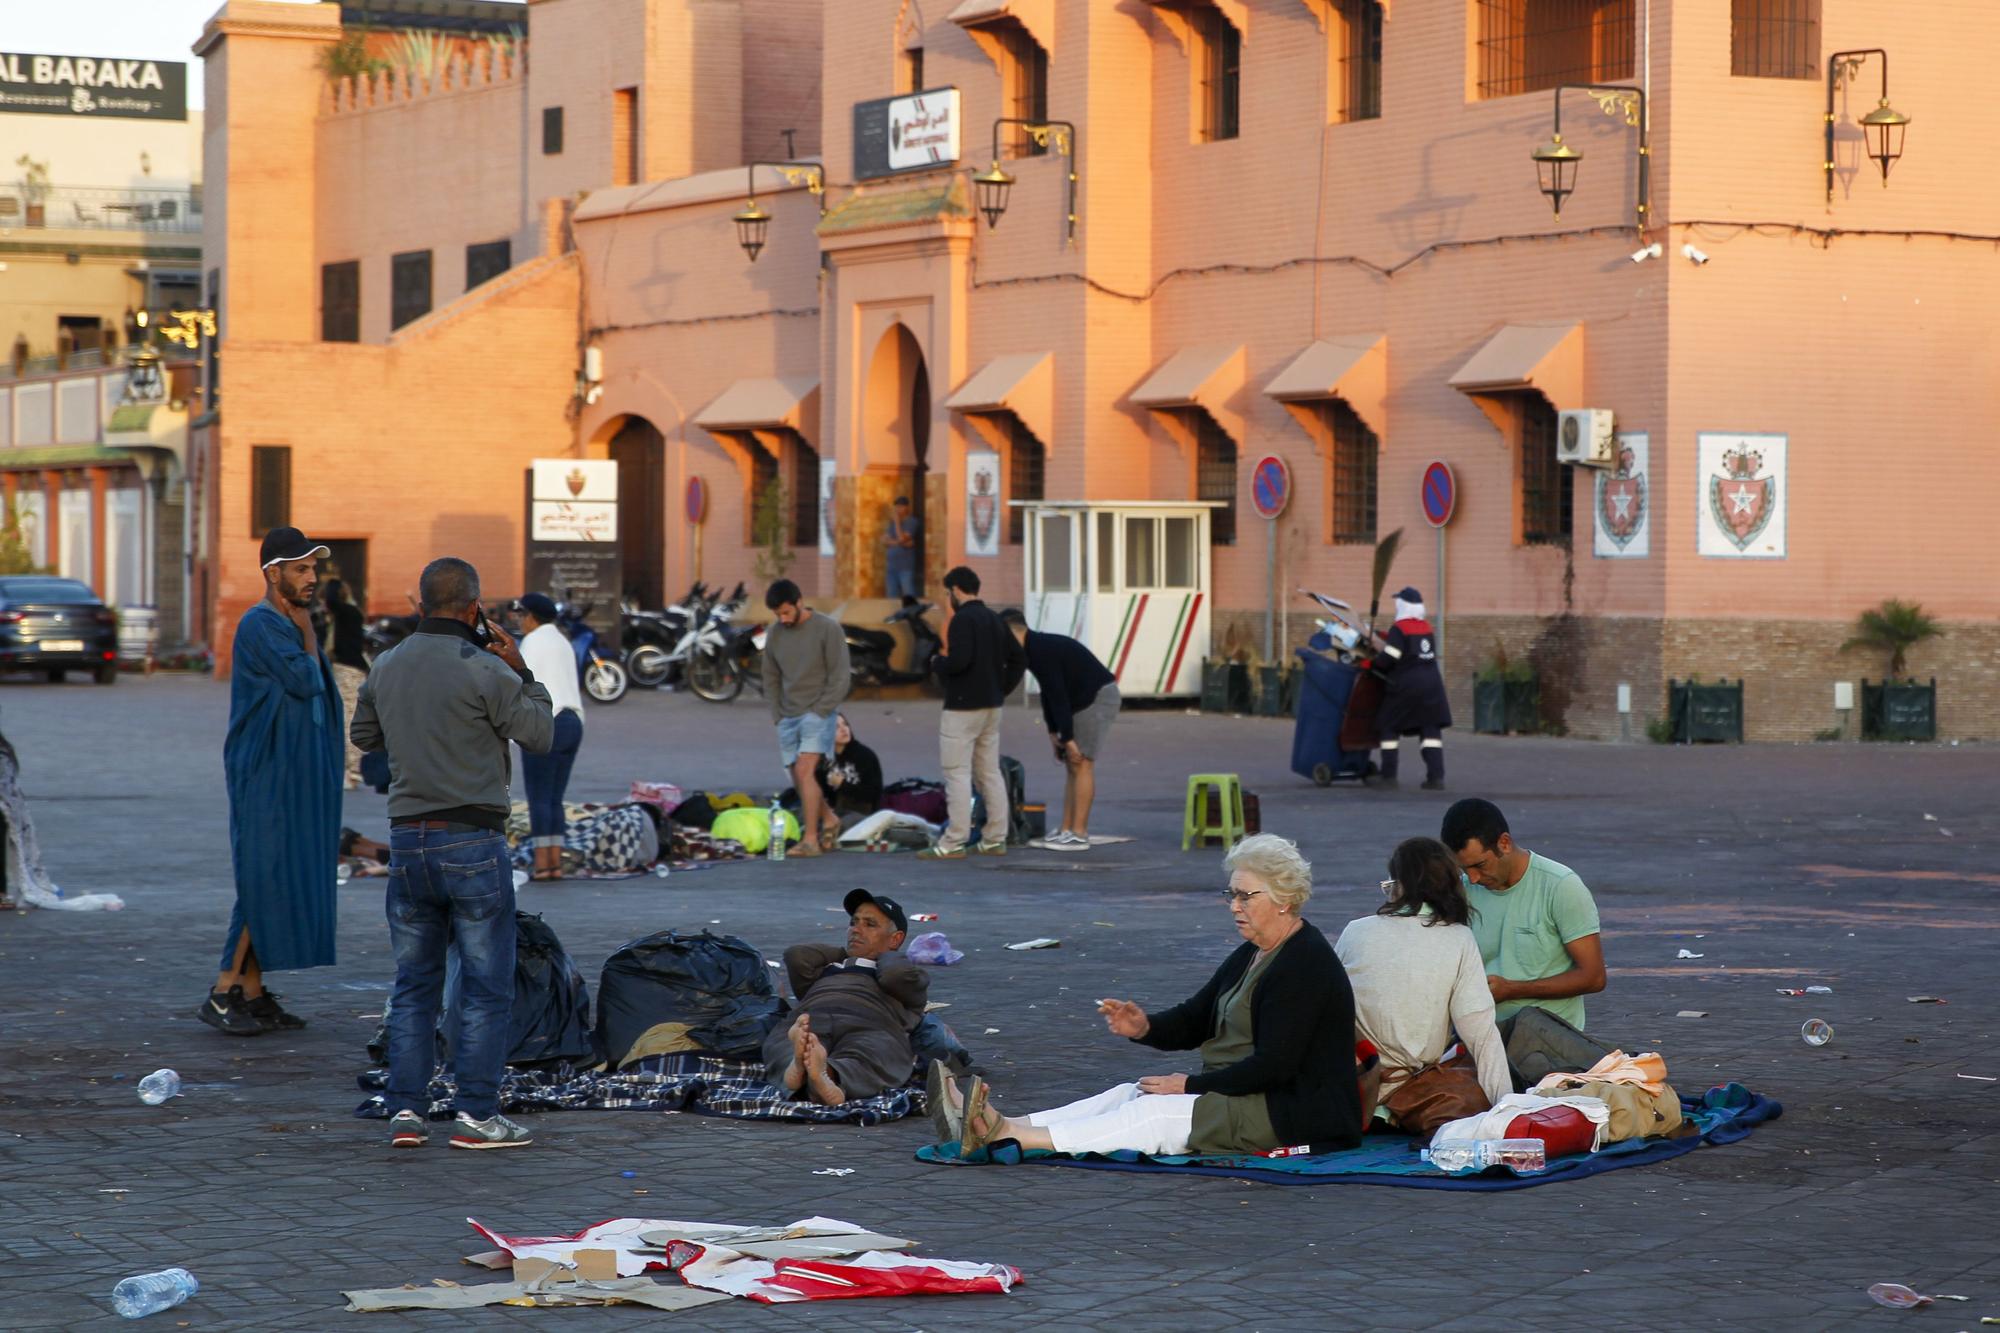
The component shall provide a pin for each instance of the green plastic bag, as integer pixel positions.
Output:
(752, 828)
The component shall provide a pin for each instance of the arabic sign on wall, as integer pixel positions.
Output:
(916, 132)
(1623, 530)
(574, 500)
(90, 86)
(1743, 495)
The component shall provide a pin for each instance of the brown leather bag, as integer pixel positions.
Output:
(1437, 1094)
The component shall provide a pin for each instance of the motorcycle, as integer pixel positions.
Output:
(708, 655)
(381, 633)
(650, 637)
(603, 677)
(869, 650)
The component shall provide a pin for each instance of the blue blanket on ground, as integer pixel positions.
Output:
(1721, 1115)
(691, 1082)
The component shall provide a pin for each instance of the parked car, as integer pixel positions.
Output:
(56, 625)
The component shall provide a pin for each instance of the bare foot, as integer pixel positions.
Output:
(800, 1033)
(824, 1090)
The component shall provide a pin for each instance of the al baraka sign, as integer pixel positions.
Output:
(93, 86)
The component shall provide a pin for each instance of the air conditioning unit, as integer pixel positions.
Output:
(1584, 437)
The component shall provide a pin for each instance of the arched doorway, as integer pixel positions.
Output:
(641, 455)
(896, 442)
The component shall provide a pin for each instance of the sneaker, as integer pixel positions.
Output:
(991, 849)
(494, 1132)
(941, 853)
(228, 1012)
(1434, 784)
(266, 1010)
(1076, 842)
(406, 1130)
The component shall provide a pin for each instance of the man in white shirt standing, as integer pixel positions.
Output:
(550, 657)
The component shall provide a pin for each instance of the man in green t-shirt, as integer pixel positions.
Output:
(1537, 929)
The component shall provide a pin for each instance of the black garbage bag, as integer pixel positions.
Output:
(551, 1016)
(674, 992)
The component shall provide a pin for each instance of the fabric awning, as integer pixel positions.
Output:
(766, 404)
(1023, 384)
(1353, 368)
(1203, 376)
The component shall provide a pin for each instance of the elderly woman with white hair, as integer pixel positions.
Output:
(1274, 1026)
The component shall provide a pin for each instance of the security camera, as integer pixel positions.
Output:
(1641, 255)
(1693, 255)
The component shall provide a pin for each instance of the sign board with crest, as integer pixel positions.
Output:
(1742, 496)
(982, 503)
(914, 132)
(573, 551)
(1622, 529)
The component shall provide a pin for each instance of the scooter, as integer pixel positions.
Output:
(869, 650)
(603, 677)
(708, 654)
(382, 633)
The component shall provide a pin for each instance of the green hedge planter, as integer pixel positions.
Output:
(1899, 710)
(1501, 706)
(1225, 687)
(1703, 711)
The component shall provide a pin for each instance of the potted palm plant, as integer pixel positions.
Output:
(1900, 708)
(34, 188)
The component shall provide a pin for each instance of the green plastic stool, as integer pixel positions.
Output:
(1229, 797)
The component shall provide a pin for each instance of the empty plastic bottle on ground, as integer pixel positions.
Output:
(159, 1085)
(150, 1293)
(776, 851)
(1523, 1155)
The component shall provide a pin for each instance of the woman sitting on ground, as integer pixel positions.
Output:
(1417, 974)
(1274, 1025)
(850, 781)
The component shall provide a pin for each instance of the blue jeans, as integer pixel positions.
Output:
(450, 892)
(546, 776)
(901, 582)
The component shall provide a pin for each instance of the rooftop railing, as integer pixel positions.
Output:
(80, 206)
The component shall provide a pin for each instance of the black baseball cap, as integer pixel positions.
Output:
(281, 544)
(889, 907)
(538, 605)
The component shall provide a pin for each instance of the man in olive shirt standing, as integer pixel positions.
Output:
(806, 676)
(1538, 932)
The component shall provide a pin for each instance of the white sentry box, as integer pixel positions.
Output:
(1128, 579)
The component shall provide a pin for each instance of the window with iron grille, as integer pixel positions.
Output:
(409, 287)
(1215, 476)
(1025, 81)
(1221, 73)
(1774, 39)
(1528, 45)
(1355, 452)
(911, 75)
(763, 476)
(805, 490)
(1547, 486)
(1361, 59)
(1027, 466)
(483, 263)
(270, 487)
(340, 302)
(552, 130)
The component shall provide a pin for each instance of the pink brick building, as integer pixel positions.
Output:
(1309, 229)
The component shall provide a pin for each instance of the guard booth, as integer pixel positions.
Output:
(1129, 579)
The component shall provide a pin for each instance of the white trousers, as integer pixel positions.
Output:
(1121, 1118)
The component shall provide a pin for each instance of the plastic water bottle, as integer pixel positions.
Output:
(1525, 1156)
(159, 1085)
(776, 851)
(150, 1293)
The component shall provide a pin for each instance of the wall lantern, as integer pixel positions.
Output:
(1882, 129)
(753, 223)
(1556, 162)
(991, 186)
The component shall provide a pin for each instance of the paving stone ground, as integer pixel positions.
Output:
(1781, 865)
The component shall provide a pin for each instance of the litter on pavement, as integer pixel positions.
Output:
(1044, 942)
(1687, 953)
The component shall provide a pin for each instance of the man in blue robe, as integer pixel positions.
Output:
(282, 759)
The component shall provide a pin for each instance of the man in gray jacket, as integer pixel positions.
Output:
(444, 703)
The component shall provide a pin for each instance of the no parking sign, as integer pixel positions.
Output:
(1270, 486)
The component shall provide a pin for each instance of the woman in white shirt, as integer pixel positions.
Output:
(1417, 974)
(548, 655)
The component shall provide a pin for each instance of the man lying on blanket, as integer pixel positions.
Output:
(856, 1007)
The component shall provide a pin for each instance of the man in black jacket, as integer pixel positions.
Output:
(1079, 703)
(981, 665)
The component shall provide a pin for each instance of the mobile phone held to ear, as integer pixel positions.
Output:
(479, 627)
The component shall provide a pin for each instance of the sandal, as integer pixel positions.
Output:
(971, 1135)
(947, 1120)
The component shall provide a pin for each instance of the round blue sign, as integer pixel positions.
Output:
(1270, 486)
(1440, 495)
